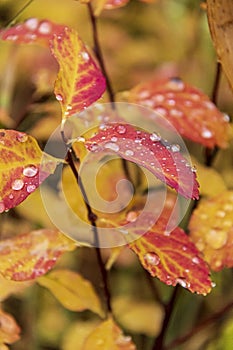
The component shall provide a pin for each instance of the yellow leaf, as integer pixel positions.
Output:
(134, 314)
(108, 336)
(11, 287)
(211, 229)
(210, 181)
(72, 290)
(76, 335)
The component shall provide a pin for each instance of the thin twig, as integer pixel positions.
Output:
(200, 327)
(92, 217)
(99, 55)
(18, 14)
(159, 341)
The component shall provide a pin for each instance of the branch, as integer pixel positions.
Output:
(99, 55)
(199, 327)
(92, 217)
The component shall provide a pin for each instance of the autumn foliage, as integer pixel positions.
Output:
(162, 195)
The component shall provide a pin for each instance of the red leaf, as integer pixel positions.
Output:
(171, 257)
(30, 255)
(189, 110)
(21, 167)
(145, 149)
(79, 82)
(32, 31)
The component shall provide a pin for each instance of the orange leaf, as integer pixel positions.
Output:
(189, 110)
(171, 257)
(108, 336)
(21, 171)
(211, 228)
(79, 82)
(30, 255)
(9, 330)
(73, 291)
(149, 151)
(220, 17)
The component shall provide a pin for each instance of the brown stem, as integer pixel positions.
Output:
(199, 327)
(99, 54)
(92, 217)
(159, 341)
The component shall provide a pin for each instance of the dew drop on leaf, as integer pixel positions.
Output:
(131, 216)
(152, 259)
(207, 134)
(17, 184)
(114, 139)
(155, 137)
(59, 97)
(121, 129)
(44, 28)
(32, 23)
(129, 152)
(31, 188)
(30, 171)
(112, 146)
(175, 148)
(196, 260)
(216, 238)
(22, 137)
(2, 207)
(85, 56)
(183, 282)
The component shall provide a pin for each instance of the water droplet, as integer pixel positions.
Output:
(216, 238)
(114, 139)
(123, 340)
(175, 148)
(32, 23)
(155, 137)
(11, 196)
(44, 28)
(131, 216)
(22, 137)
(176, 84)
(2, 207)
(31, 188)
(182, 281)
(102, 127)
(226, 117)
(161, 111)
(196, 260)
(121, 129)
(158, 98)
(85, 56)
(69, 107)
(176, 113)
(59, 97)
(17, 184)
(112, 146)
(206, 133)
(93, 147)
(194, 169)
(213, 284)
(220, 214)
(209, 105)
(129, 152)
(171, 102)
(144, 94)
(80, 139)
(30, 171)
(152, 259)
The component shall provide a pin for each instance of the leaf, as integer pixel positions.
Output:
(147, 150)
(108, 336)
(211, 182)
(21, 167)
(170, 256)
(32, 31)
(188, 109)
(79, 82)
(211, 229)
(73, 291)
(11, 287)
(220, 17)
(77, 333)
(9, 330)
(133, 314)
(28, 256)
